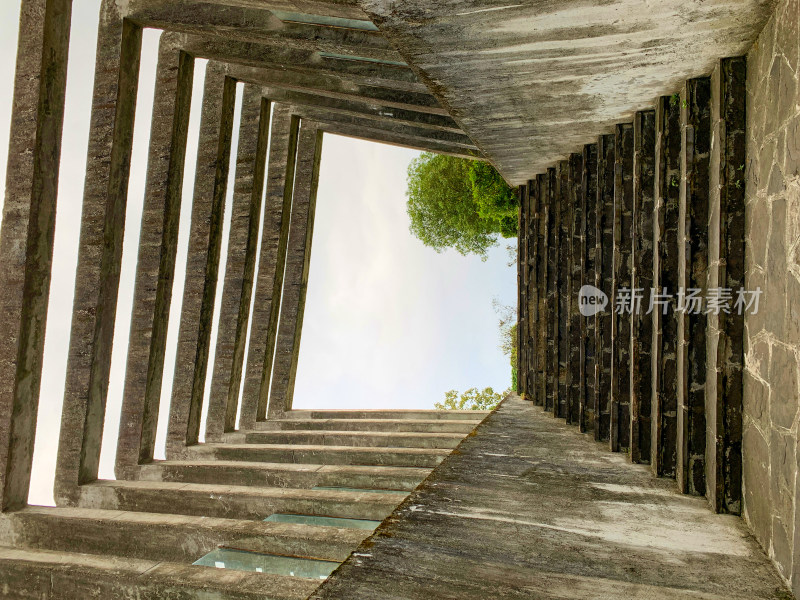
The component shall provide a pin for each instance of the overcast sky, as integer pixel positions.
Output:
(389, 323)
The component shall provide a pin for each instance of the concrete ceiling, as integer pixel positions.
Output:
(531, 81)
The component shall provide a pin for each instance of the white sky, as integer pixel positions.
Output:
(389, 323)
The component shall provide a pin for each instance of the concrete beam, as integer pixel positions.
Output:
(561, 407)
(644, 148)
(543, 313)
(576, 374)
(621, 316)
(692, 275)
(605, 267)
(590, 277)
(665, 281)
(158, 245)
(202, 266)
(522, 291)
(335, 86)
(298, 257)
(553, 237)
(531, 265)
(99, 252)
(344, 9)
(237, 286)
(28, 227)
(726, 251)
(271, 265)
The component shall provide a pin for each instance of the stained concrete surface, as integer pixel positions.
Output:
(527, 507)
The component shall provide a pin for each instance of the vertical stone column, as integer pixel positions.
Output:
(155, 267)
(532, 250)
(664, 413)
(590, 274)
(269, 282)
(692, 273)
(553, 240)
(725, 340)
(298, 257)
(542, 310)
(605, 271)
(522, 288)
(99, 252)
(26, 239)
(576, 375)
(560, 408)
(644, 147)
(202, 264)
(234, 310)
(621, 315)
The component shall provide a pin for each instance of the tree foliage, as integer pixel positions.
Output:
(472, 399)
(458, 203)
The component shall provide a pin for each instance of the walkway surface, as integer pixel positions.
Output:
(527, 507)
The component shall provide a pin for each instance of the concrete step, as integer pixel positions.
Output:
(320, 455)
(46, 575)
(284, 475)
(360, 439)
(424, 415)
(463, 426)
(167, 537)
(234, 502)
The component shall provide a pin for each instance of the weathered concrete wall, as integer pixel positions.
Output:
(772, 262)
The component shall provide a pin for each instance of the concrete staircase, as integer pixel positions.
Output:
(139, 537)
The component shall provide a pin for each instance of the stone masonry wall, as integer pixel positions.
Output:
(772, 337)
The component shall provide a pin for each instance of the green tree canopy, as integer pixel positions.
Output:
(472, 399)
(458, 203)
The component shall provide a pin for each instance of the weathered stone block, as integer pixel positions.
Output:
(783, 378)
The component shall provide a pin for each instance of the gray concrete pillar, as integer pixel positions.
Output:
(725, 339)
(100, 251)
(298, 257)
(665, 282)
(26, 238)
(202, 263)
(590, 277)
(155, 268)
(576, 375)
(605, 270)
(237, 286)
(271, 265)
(553, 237)
(644, 133)
(542, 311)
(564, 282)
(532, 251)
(692, 274)
(621, 313)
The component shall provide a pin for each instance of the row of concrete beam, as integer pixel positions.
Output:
(656, 207)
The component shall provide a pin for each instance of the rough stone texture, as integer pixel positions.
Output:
(298, 257)
(692, 278)
(564, 287)
(99, 252)
(590, 277)
(543, 310)
(576, 375)
(155, 267)
(665, 281)
(644, 134)
(483, 525)
(522, 291)
(726, 242)
(271, 265)
(772, 263)
(28, 227)
(605, 270)
(554, 235)
(202, 264)
(620, 428)
(531, 266)
(560, 72)
(237, 286)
